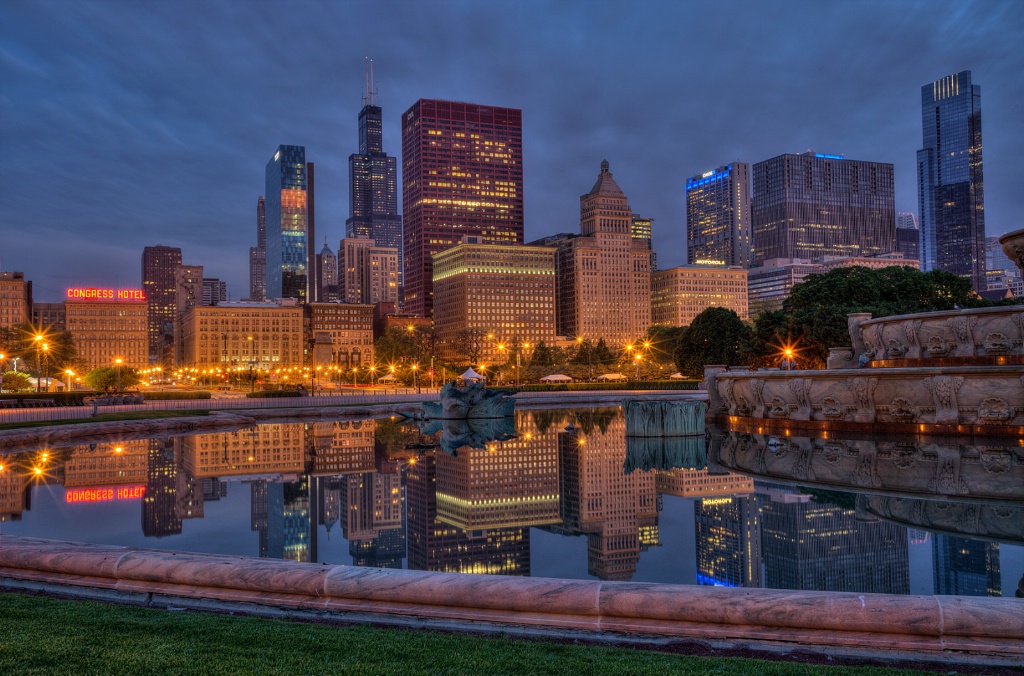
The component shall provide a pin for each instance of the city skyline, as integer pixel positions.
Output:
(105, 147)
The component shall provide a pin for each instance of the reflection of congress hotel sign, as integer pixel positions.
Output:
(76, 293)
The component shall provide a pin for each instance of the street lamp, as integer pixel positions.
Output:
(1, 372)
(118, 362)
(415, 376)
(46, 364)
(639, 358)
(68, 373)
(39, 368)
(373, 377)
(590, 355)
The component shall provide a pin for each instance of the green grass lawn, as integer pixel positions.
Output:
(45, 635)
(104, 417)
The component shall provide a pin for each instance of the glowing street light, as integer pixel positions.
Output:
(68, 373)
(118, 361)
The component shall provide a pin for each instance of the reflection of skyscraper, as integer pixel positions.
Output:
(160, 516)
(281, 515)
(342, 447)
(728, 536)
(264, 449)
(965, 567)
(599, 499)
(817, 545)
(434, 545)
(511, 484)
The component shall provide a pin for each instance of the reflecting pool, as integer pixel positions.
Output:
(554, 493)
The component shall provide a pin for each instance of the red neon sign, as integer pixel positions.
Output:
(105, 494)
(77, 293)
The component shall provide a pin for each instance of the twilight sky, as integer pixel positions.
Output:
(127, 124)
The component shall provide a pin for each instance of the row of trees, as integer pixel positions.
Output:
(813, 318)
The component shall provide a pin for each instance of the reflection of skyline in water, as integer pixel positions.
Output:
(380, 493)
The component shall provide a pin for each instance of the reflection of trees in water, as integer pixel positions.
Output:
(543, 420)
(601, 418)
(394, 435)
(840, 499)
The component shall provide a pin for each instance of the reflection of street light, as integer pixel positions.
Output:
(118, 362)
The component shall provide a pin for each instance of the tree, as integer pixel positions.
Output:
(663, 341)
(471, 343)
(105, 378)
(394, 345)
(16, 381)
(541, 355)
(715, 336)
(813, 318)
(602, 355)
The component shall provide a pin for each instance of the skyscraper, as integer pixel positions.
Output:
(811, 205)
(907, 236)
(950, 184)
(718, 216)
(159, 265)
(373, 182)
(258, 255)
(287, 233)
(367, 273)
(604, 274)
(327, 275)
(462, 174)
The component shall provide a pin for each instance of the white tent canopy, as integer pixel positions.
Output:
(555, 378)
(612, 376)
(471, 375)
(390, 376)
(677, 376)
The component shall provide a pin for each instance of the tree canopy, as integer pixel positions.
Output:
(105, 378)
(715, 336)
(16, 381)
(813, 318)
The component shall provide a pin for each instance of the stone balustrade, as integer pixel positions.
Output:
(838, 622)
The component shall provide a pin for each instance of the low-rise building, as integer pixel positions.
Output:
(243, 335)
(341, 335)
(679, 294)
(15, 298)
(109, 324)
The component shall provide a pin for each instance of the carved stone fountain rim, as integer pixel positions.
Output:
(1005, 309)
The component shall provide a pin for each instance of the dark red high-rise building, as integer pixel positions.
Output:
(462, 174)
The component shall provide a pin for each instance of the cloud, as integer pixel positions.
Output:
(129, 124)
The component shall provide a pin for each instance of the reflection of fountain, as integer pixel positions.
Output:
(664, 435)
(472, 400)
(930, 483)
(472, 432)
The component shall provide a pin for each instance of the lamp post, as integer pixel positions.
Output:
(68, 373)
(639, 358)
(415, 376)
(590, 354)
(46, 364)
(373, 377)
(39, 368)
(501, 360)
(1, 372)
(252, 365)
(118, 362)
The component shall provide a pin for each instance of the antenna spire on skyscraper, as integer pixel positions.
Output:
(370, 92)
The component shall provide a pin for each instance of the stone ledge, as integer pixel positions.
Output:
(906, 625)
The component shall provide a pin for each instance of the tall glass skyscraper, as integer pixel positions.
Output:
(718, 216)
(812, 205)
(949, 177)
(373, 183)
(287, 226)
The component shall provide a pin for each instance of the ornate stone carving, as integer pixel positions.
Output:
(840, 358)
(853, 325)
(944, 389)
(963, 333)
(778, 409)
(725, 390)
(938, 346)
(742, 407)
(801, 388)
(804, 468)
(995, 411)
(903, 410)
(833, 451)
(757, 389)
(905, 456)
(895, 349)
(832, 409)
(911, 327)
(947, 479)
(997, 462)
(866, 473)
(1018, 320)
(864, 397)
(997, 343)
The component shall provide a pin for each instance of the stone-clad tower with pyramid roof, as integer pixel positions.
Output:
(604, 275)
